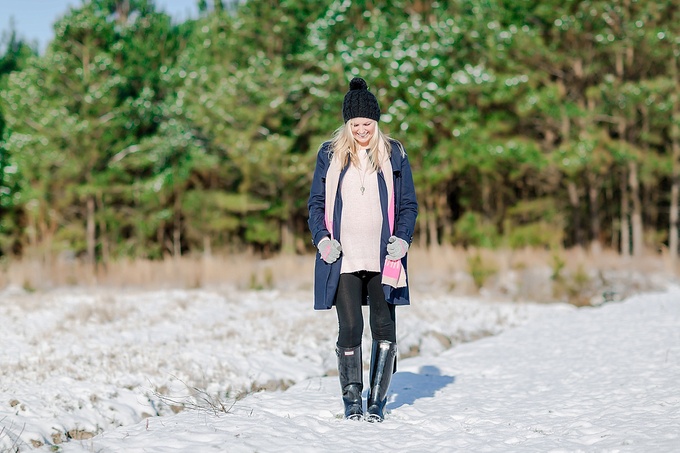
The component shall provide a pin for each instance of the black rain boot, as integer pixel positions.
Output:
(351, 380)
(383, 356)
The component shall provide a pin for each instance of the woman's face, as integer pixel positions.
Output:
(363, 130)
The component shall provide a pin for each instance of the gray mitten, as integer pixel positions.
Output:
(329, 249)
(396, 248)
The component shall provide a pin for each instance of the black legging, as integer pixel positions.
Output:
(352, 290)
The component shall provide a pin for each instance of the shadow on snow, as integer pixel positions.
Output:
(407, 387)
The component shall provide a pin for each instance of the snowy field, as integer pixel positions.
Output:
(217, 371)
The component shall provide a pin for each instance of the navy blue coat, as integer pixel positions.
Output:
(326, 276)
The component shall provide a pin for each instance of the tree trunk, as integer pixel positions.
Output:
(123, 10)
(625, 226)
(675, 147)
(650, 196)
(177, 228)
(673, 220)
(594, 201)
(636, 215)
(31, 230)
(444, 216)
(576, 212)
(91, 231)
(207, 247)
(103, 237)
(288, 226)
(160, 238)
(432, 221)
(422, 225)
(486, 197)
(629, 179)
(287, 236)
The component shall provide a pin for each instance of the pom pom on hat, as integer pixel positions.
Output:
(357, 83)
(359, 102)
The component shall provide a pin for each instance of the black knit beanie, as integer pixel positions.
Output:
(359, 102)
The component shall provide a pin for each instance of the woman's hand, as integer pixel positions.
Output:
(396, 248)
(329, 249)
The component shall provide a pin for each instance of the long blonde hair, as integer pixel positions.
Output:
(344, 147)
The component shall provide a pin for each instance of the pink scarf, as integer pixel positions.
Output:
(394, 274)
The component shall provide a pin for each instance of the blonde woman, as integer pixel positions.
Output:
(362, 213)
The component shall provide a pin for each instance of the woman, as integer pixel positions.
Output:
(362, 212)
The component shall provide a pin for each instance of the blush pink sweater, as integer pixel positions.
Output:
(361, 221)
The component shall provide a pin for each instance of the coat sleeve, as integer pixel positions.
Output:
(407, 209)
(317, 197)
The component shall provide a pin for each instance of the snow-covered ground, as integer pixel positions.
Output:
(202, 371)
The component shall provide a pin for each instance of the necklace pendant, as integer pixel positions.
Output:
(362, 190)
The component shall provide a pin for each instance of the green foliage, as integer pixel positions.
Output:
(480, 270)
(534, 223)
(557, 265)
(136, 136)
(15, 55)
(538, 234)
(575, 288)
(471, 230)
(262, 281)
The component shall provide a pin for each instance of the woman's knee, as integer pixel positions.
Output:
(349, 335)
(384, 331)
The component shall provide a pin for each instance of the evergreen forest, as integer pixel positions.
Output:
(528, 123)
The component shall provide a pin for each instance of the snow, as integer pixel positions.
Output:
(225, 370)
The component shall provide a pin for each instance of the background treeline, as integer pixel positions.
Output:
(528, 123)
